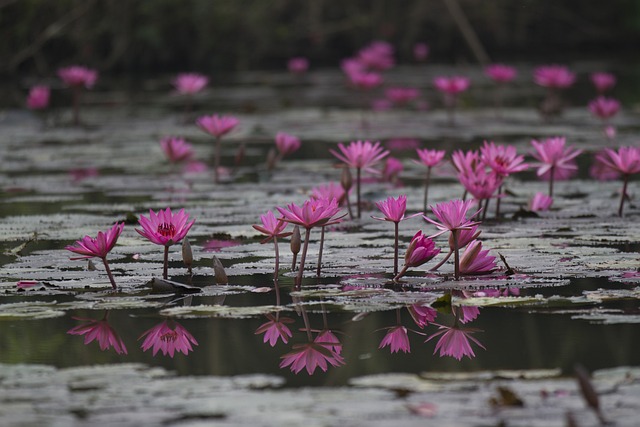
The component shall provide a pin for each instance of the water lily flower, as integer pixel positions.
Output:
(328, 339)
(502, 159)
(451, 88)
(365, 80)
(276, 328)
(397, 339)
(402, 95)
(554, 158)
(273, 228)
(100, 331)
(482, 185)
(476, 261)
(500, 73)
(360, 155)
(430, 159)
(38, 98)
(626, 161)
(286, 143)
(99, 247)
(421, 250)
(169, 337)
(298, 65)
(165, 229)
(454, 341)
(394, 211)
(604, 108)
(540, 202)
(553, 76)
(603, 81)
(77, 77)
(217, 126)
(421, 314)
(420, 51)
(311, 356)
(378, 55)
(464, 238)
(453, 218)
(331, 190)
(600, 170)
(190, 83)
(176, 149)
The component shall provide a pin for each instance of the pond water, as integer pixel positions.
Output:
(572, 297)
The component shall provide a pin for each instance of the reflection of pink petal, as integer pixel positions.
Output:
(631, 274)
(80, 174)
(215, 244)
(424, 409)
(136, 256)
(26, 284)
(261, 290)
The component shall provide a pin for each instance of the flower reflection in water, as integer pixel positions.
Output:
(101, 331)
(275, 328)
(397, 338)
(169, 337)
(454, 341)
(310, 356)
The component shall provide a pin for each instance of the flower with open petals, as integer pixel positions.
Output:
(216, 125)
(553, 76)
(603, 81)
(393, 209)
(402, 95)
(500, 73)
(430, 158)
(365, 80)
(311, 356)
(101, 331)
(312, 213)
(360, 154)
(287, 144)
(451, 85)
(77, 76)
(502, 159)
(99, 246)
(329, 340)
(454, 341)
(626, 160)
(276, 328)
(481, 184)
(476, 261)
(540, 202)
(169, 337)
(604, 108)
(38, 98)
(552, 153)
(397, 339)
(190, 83)
(176, 149)
(272, 227)
(329, 191)
(422, 315)
(452, 216)
(165, 228)
(421, 249)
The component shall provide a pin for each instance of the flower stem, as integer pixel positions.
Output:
(486, 208)
(302, 259)
(456, 252)
(76, 105)
(277, 266)
(320, 252)
(442, 262)
(165, 268)
(551, 176)
(427, 179)
(399, 275)
(346, 197)
(395, 249)
(498, 203)
(358, 173)
(108, 270)
(624, 193)
(216, 161)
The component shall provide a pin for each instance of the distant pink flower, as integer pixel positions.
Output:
(626, 161)
(476, 261)
(101, 331)
(600, 170)
(402, 95)
(365, 80)
(381, 105)
(452, 216)
(451, 85)
(176, 149)
(79, 174)
(397, 339)
(329, 340)
(465, 162)
(481, 184)
(169, 337)
(552, 153)
(500, 73)
(603, 81)
(38, 98)
(271, 227)
(311, 356)
(287, 144)
(398, 144)
(195, 167)
(553, 76)
(378, 55)
(430, 158)
(422, 315)
(604, 108)
(352, 66)
(329, 191)
(275, 329)
(312, 213)
(610, 132)
(360, 154)
(540, 202)
(420, 51)
(190, 83)
(421, 249)
(165, 228)
(392, 168)
(502, 159)
(298, 65)
(76, 76)
(216, 125)
(100, 246)
(454, 341)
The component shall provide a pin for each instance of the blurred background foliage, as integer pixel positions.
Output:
(146, 37)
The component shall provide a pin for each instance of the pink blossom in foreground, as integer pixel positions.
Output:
(169, 337)
(604, 108)
(165, 228)
(298, 65)
(271, 227)
(603, 81)
(454, 341)
(276, 328)
(553, 76)
(500, 73)
(176, 149)
(216, 125)
(100, 246)
(38, 98)
(329, 340)
(451, 85)
(100, 331)
(540, 202)
(312, 213)
(77, 76)
(402, 95)
(360, 154)
(430, 158)
(286, 143)
(422, 315)
(420, 51)
(397, 339)
(190, 83)
(421, 250)
(311, 356)
(502, 159)
(452, 216)
(552, 154)
(476, 261)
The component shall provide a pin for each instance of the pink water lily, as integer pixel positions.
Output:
(604, 108)
(176, 149)
(422, 314)
(454, 341)
(169, 337)
(554, 157)
(217, 126)
(540, 202)
(475, 261)
(421, 250)
(451, 85)
(553, 76)
(430, 159)
(77, 77)
(38, 98)
(311, 356)
(500, 73)
(502, 159)
(100, 331)
(276, 328)
(331, 190)
(603, 81)
(397, 339)
(626, 161)
(402, 95)
(286, 143)
(464, 238)
(190, 83)
(328, 339)
(273, 228)
(365, 80)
